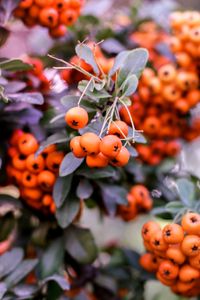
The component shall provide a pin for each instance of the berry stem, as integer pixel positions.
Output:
(84, 91)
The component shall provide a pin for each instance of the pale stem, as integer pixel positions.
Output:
(107, 117)
(73, 66)
(85, 90)
(133, 127)
(112, 111)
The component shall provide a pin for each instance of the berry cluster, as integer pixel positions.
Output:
(139, 201)
(149, 35)
(99, 152)
(53, 14)
(174, 254)
(185, 43)
(34, 175)
(161, 107)
(72, 76)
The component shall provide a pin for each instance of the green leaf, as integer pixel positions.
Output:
(134, 63)
(3, 289)
(79, 243)
(9, 204)
(32, 98)
(25, 291)
(85, 53)
(119, 61)
(69, 164)
(139, 138)
(52, 258)
(61, 189)
(95, 95)
(94, 127)
(84, 189)
(133, 152)
(186, 191)
(10, 260)
(66, 214)
(69, 101)
(4, 34)
(112, 196)
(72, 101)
(56, 138)
(97, 173)
(60, 280)
(174, 207)
(22, 271)
(14, 65)
(129, 86)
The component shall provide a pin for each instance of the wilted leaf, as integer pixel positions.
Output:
(66, 214)
(85, 53)
(69, 164)
(10, 260)
(79, 243)
(52, 258)
(61, 189)
(84, 189)
(22, 271)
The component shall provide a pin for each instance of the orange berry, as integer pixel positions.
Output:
(97, 161)
(27, 144)
(48, 17)
(58, 31)
(76, 148)
(173, 234)
(47, 200)
(31, 194)
(110, 146)
(148, 229)
(118, 128)
(168, 270)
(76, 117)
(149, 262)
(175, 254)
(43, 3)
(90, 143)
(54, 160)
(195, 261)
(29, 180)
(157, 241)
(68, 17)
(191, 245)
(188, 273)
(25, 3)
(46, 180)
(191, 223)
(35, 164)
(122, 158)
(167, 73)
(19, 162)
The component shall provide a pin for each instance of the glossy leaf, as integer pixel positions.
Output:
(10, 260)
(66, 214)
(61, 189)
(84, 189)
(69, 164)
(80, 244)
(56, 138)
